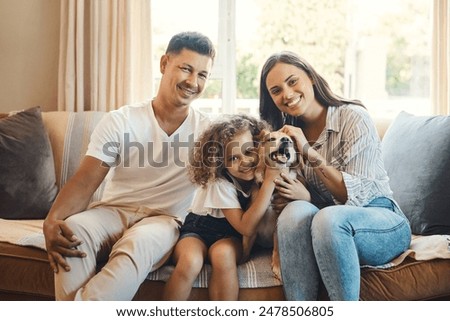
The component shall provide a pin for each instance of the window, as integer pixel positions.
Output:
(378, 52)
(389, 60)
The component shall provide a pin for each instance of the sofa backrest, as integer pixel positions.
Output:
(69, 134)
(382, 125)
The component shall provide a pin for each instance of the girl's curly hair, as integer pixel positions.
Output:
(208, 156)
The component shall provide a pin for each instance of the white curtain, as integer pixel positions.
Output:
(440, 84)
(105, 54)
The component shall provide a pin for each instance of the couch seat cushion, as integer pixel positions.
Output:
(25, 273)
(411, 280)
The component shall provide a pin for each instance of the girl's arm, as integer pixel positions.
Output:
(246, 222)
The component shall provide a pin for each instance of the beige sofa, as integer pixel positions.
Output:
(26, 274)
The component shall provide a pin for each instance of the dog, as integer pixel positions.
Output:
(276, 149)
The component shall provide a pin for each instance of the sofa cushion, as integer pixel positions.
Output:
(416, 151)
(70, 133)
(25, 273)
(411, 280)
(27, 173)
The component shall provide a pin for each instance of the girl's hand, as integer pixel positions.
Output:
(292, 189)
(271, 174)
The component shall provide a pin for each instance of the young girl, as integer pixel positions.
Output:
(223, 166)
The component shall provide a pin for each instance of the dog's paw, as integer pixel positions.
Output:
(247, 245)
(245, 256)
(276, 264)
(276, 270)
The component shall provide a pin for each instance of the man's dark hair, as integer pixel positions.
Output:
(190, 40)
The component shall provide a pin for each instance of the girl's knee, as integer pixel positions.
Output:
(224, 254)
(190, 264)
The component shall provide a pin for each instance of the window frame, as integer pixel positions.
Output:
(224, 70)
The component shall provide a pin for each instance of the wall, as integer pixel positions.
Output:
(29, 46)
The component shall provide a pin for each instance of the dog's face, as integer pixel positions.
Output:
(277, 150)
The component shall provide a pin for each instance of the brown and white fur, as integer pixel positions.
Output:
(276, 149)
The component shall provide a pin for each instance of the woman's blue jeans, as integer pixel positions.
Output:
(332, 243)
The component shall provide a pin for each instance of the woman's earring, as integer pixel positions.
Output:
(284, 116)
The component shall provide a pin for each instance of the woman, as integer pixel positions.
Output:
(352, 219)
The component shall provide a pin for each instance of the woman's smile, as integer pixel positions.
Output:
(293, 102)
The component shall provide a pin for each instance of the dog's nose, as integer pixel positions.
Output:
(285, 140)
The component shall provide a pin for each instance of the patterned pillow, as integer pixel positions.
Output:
(27, 173)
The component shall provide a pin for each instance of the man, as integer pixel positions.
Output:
(141, 150)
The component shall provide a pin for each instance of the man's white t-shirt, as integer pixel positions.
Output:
(147, 167)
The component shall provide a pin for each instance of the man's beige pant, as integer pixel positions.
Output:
(137, 241)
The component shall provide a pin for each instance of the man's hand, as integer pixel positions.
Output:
(60, 242)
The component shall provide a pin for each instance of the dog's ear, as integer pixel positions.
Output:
(261, 165)
(263, 135)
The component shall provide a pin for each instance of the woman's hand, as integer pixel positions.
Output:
(292, 188)
(305, 150)
(60, 242)
(298, 136)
